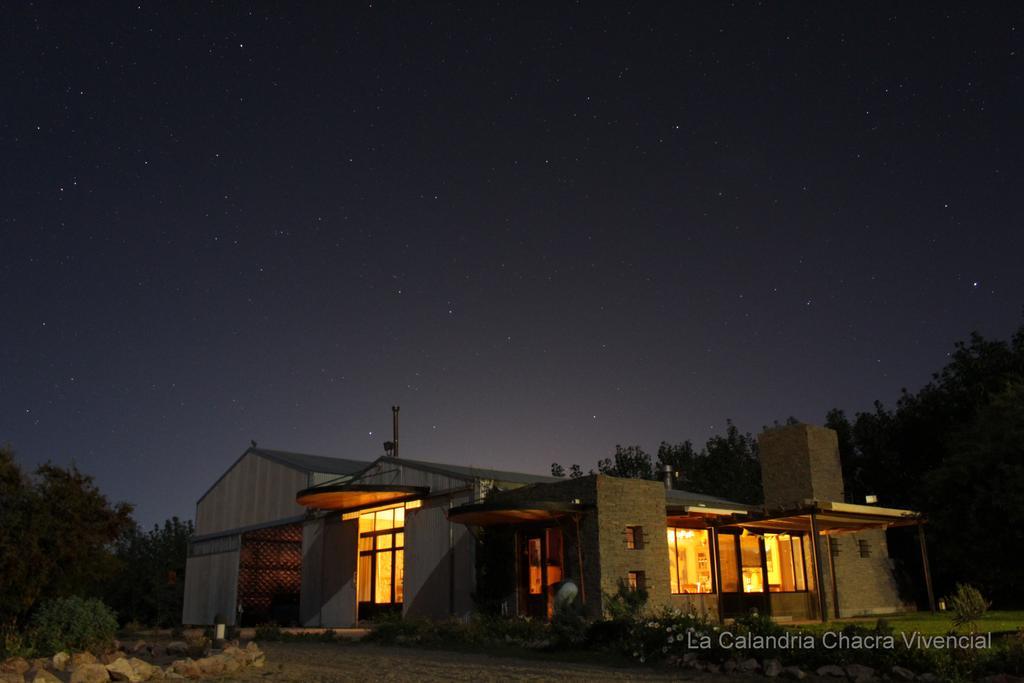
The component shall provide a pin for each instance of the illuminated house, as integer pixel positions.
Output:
(317, 541)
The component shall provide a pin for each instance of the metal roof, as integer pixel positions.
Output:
(312, 463)
(297, 461)
(689, 498)
(471, 473)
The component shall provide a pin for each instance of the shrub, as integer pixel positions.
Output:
(198, 645)
(627, 602)
(968, 605)
(73, 624)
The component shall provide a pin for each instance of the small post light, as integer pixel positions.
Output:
(871, 499)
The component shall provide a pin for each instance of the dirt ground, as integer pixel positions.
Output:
(331, 663)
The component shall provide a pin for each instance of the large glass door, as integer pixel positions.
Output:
(742, 569)
(540, 570)
(380, 575)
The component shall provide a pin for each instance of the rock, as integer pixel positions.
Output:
(729, 666)
(137, 647)
(186, 668)
(41, 663)
(144, 670)
(61, 661)
(901, 674)
(794, 672)
(927, 677)
(690, 657)
(82, 659)
(11, 677)
(15, 665)
(157, 650)
(748, 665)
(212, 666)
(860, 673)
(772, 668)
(177, 647)
(40, 675)
(712, 668)
(831, 670)
(90, 673)
(111, 657)
(121, 670)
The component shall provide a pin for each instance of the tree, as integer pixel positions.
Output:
(977, 490)
(557, 470)
(149, 586)
(631, 462)
(946, 450)
(58, 529)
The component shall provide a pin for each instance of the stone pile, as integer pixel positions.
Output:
(123, 665)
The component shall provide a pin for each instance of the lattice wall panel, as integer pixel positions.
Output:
(270, 574)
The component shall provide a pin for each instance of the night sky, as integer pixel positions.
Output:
(542, 229)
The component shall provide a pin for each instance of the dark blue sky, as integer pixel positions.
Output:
(541, 230)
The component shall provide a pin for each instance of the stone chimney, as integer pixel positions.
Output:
(800, 462)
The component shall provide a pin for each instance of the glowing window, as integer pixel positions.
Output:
(535, 569)
(729, 563)
(753, 574)
(784, 557)
(689, 561)
(381, 570)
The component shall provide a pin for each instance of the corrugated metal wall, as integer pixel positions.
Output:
(329, 572)
(255, 491)
(211, 588)
(429, 561)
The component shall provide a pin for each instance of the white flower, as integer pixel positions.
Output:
(671, 639)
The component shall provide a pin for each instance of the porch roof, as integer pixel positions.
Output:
(829, 517)
(512, 512)
(356, 496)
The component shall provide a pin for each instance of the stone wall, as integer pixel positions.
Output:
(633, 502)
(866, 585)
(800, 462)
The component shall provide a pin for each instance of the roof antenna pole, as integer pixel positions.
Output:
(394, 428)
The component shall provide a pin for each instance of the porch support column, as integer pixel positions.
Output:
(816, 561)
(579, 558)
(832, 573)
(924, 563)
(717, 569)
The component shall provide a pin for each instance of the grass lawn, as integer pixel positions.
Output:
(929, 624)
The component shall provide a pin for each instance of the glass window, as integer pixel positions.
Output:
(689, 560)
(729, 563)
(634, 537)
(382, 583)
(381, 569)
(399, 575)
(778, 556)
(385, 519)
(799, 566)
(365, 575)
(637, 580)
(753, 574)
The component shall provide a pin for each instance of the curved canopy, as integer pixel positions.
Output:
(485, 514)
(352, 496)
